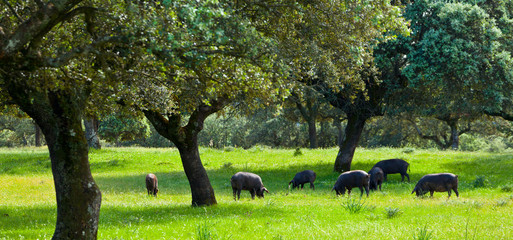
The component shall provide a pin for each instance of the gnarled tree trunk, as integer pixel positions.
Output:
(353, 132)
(58, 114)
(201, 189)
(186, 140)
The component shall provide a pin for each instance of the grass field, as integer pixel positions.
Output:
(484, 209)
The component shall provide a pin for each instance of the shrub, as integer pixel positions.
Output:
(392, 212)
(203, 232)
(507, 188)
(422, 234)
(408, 150)
(502, 202)
(472, 143)
(497, 145)
(298, 152)
(354, 206)
(227, 165)
(480, 181)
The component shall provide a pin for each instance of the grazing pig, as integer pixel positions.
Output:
(376, 178)
(307, 176)
(439, 182)
(350, 180)
(247, 181)
(391, 166)
(152, 184)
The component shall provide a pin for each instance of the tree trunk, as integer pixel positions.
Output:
(37, 135)
(59, 116)
(455, 138)
(312, 133)
(354, 129)
(201, 189)
(78, 196)
(91, 132)
(185, 139)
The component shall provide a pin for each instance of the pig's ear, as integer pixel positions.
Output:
(265, 189)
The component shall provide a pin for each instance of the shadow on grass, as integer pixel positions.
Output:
(19, 219)
(495, 168)
(121, 215)
(23, 163)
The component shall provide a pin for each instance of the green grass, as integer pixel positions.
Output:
(27, 198)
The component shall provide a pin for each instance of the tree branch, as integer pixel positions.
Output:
(91, 48)
(428, 137)
(501, 113)
(159, 122)
(198, 117)
(467, 129)
(12, 10)
(38, 25)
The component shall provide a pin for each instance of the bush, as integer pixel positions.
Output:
(203, 232)
(480, 181)
(496, 144)
(354, 206)
(507, 188)
(423, 234)
(298, 152)
(392, 212)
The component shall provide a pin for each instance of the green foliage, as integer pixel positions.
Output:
(391, 212)
(118, 128)
(507, 188)
(470, 142)
(298, 152)
(423, 234)
(204, 232)
(353, 205)
(480, 182)
(16, 132)
(458, 59)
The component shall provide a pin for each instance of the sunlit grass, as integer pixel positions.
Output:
(27, 198)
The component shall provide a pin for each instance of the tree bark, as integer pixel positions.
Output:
(455, 137)
(353, 132)
(59, 116)
(91, 132)
(201, 189)
(78, 196)
(37, 135)
(185, 139)
(312, 133)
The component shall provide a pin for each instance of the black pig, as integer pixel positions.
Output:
(391, 166)
(307, 176)
(350, 180)
(376, 178)
(247, 181)
(439, 182)
(152, 184)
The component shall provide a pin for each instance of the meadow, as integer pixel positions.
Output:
(484, 209)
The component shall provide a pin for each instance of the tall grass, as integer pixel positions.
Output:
(27, 198)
